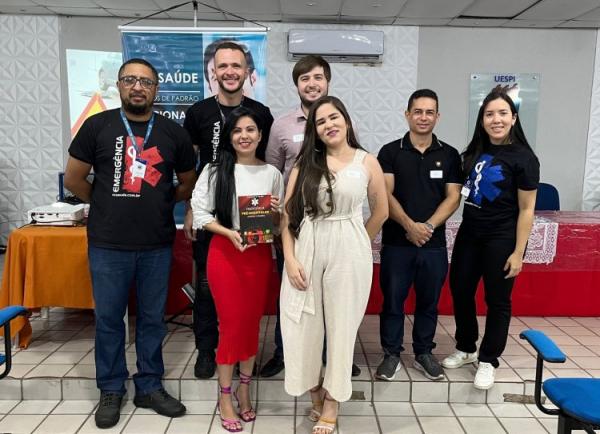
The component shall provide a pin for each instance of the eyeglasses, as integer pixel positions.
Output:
(130, 81)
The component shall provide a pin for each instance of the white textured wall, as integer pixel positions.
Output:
(591, 181)
(565, 60)
(31, 149)
(374, 95)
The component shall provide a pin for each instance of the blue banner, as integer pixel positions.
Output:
(185, 64)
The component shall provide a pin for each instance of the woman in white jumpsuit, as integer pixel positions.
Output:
(328, 263)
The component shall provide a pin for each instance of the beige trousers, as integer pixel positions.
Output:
(341, 272)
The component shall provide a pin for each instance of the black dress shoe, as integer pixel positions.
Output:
(272, 367)
(108, 412)
(205, 365)
(161, 402)
(355, 370)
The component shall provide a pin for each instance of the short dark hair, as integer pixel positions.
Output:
(423, 93)
(233, 44)
(139, 62)
(307, 64)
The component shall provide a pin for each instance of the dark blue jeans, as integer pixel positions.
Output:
(113, 273)
(402, 267)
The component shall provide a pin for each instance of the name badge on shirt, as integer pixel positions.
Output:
(298, 138)
(139, 168)
(436, 174)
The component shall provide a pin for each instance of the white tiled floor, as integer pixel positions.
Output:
(57, 381)
(55, 376)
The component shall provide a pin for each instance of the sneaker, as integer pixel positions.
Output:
(272, 367)
(355, 370)
(458, 359)
(205, 366)
(484, 378)
(429, 366)
(108, 412)
(388, 367)
(161, 402)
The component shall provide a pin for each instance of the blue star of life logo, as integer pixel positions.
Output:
(483, 178)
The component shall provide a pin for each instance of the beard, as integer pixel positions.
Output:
(136, 109)
(230, 91)
(308, 103)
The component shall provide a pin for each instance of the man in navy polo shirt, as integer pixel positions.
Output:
(423, 179)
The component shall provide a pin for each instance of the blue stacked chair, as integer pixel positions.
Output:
(577, 399)
(6, 315)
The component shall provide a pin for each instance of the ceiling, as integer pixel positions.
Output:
(471, 13)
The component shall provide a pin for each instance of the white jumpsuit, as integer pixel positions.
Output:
(335, 252)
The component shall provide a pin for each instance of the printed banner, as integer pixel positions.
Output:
(92, 84)
(184, 59)
(524, 90)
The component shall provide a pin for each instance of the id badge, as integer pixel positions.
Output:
(139, 168)
(436, 174)
(466, 189)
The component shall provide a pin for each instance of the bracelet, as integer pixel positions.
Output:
(429, 225)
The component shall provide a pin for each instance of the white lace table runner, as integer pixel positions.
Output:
(541, 248)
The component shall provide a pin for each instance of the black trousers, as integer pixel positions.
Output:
(205, 323)
(476, 256)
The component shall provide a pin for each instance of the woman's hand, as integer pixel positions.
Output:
(513, 265)
(296, 274)
(236, 240)
(275, 204)
(275, 210)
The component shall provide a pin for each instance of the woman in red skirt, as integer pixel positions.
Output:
(238, 273)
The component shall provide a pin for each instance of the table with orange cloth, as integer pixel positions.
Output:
(45, 266)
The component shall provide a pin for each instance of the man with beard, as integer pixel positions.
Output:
(204, 121)
(423, 179)
(134, 153)
(311, 75)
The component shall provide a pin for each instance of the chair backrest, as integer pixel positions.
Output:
(547, 198)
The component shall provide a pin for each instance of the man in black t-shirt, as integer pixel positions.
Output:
(204, 121)
(134, 153)
(423, 179)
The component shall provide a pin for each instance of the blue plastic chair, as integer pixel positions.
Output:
(577, 399)
(547, 198)
(7, 314)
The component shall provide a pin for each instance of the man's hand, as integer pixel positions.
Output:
(418, 233)
(189, 233)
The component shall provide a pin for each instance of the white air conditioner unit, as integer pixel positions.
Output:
(342, 46)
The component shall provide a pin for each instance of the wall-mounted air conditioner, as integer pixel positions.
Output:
(347, 46)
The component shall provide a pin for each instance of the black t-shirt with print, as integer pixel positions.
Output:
(204, 123)
(492, 206)
(126, 212)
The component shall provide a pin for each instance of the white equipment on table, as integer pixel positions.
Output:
(57, 214)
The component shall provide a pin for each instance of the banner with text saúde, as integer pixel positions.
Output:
(184, 59)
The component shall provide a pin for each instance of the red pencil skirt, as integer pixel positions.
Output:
(239, 282)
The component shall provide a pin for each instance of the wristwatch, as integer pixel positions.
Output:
(429, 225)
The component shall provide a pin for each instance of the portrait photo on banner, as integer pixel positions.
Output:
(185, 64)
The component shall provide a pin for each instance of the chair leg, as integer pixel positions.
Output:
(564, 424)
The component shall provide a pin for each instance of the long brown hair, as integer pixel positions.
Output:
(312, 167)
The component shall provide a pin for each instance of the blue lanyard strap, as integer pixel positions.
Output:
(132, 137)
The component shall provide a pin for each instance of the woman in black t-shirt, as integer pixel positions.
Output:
(502, 175)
